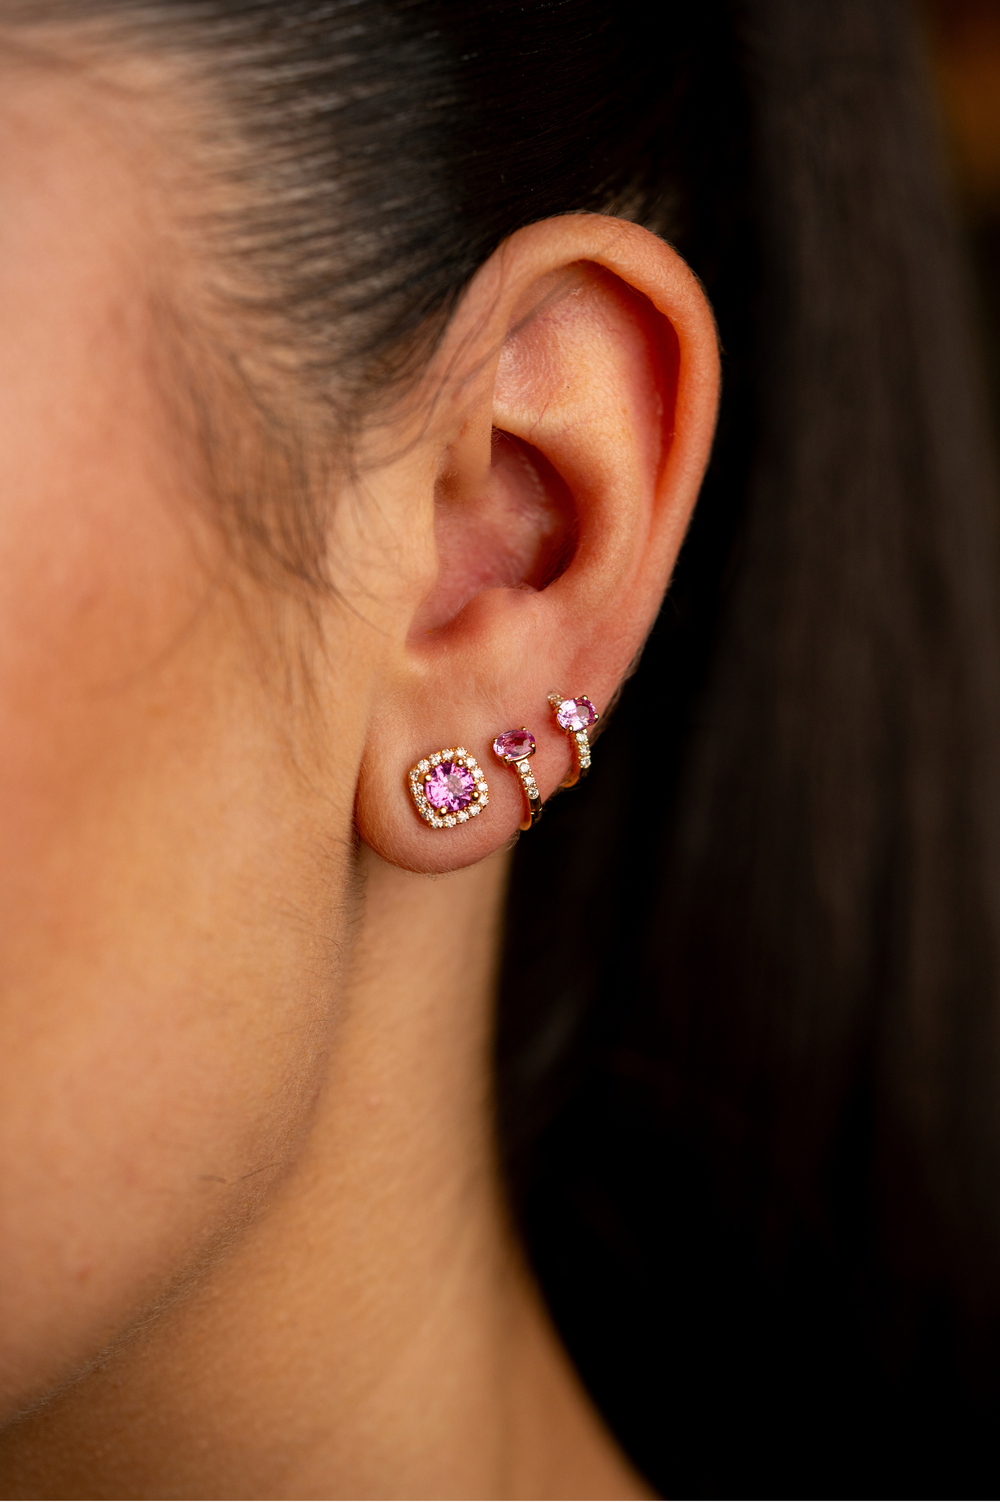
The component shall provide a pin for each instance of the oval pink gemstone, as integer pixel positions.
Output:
(450, 787)
(576, 714)
(514, 745)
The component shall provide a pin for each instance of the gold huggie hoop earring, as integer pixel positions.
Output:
(448, 788)
(575, 716)
(513, 747)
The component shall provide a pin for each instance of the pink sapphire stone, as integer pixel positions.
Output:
(450, 787)
(576, 714)
(514, 745)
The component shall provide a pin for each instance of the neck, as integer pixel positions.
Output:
(373, 1332)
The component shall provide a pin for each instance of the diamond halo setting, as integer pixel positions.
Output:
(448, 788)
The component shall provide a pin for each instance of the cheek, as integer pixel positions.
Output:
(145, 1095)
(157, 1055)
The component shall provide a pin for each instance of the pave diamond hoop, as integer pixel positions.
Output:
(448, 788)
(575, 716)
(514, 747)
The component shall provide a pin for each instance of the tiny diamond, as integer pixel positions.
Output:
(470, 761)
(432, 761)
(449, 822)
(473, 811)
(423, 766)
(460, 751)
(438, 823)
(462, 818)
(483, 799)
(447, 755)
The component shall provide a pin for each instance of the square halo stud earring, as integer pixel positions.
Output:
(514, 748)
(575, 716)
(448, 788)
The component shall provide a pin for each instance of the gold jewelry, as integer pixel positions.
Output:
(514, 747)
(448, 788)
(575, 716)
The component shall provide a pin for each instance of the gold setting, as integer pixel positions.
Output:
(529, 787)
(418, 775)
(579, 738)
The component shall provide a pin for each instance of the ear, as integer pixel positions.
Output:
(568, 423)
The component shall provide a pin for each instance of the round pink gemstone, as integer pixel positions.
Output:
(514, 745)
(576, 714)
(450, 787)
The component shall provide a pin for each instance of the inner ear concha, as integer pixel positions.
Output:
(516, 529)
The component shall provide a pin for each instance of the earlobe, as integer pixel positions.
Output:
(574, 423)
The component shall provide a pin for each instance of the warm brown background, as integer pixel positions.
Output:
(964, 38)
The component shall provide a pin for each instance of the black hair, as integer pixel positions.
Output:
(748, 1065)
(373, 154)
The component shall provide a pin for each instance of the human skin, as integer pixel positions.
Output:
(253, 1236)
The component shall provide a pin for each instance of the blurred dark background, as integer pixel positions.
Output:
(748, 1328)
(964, 48)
